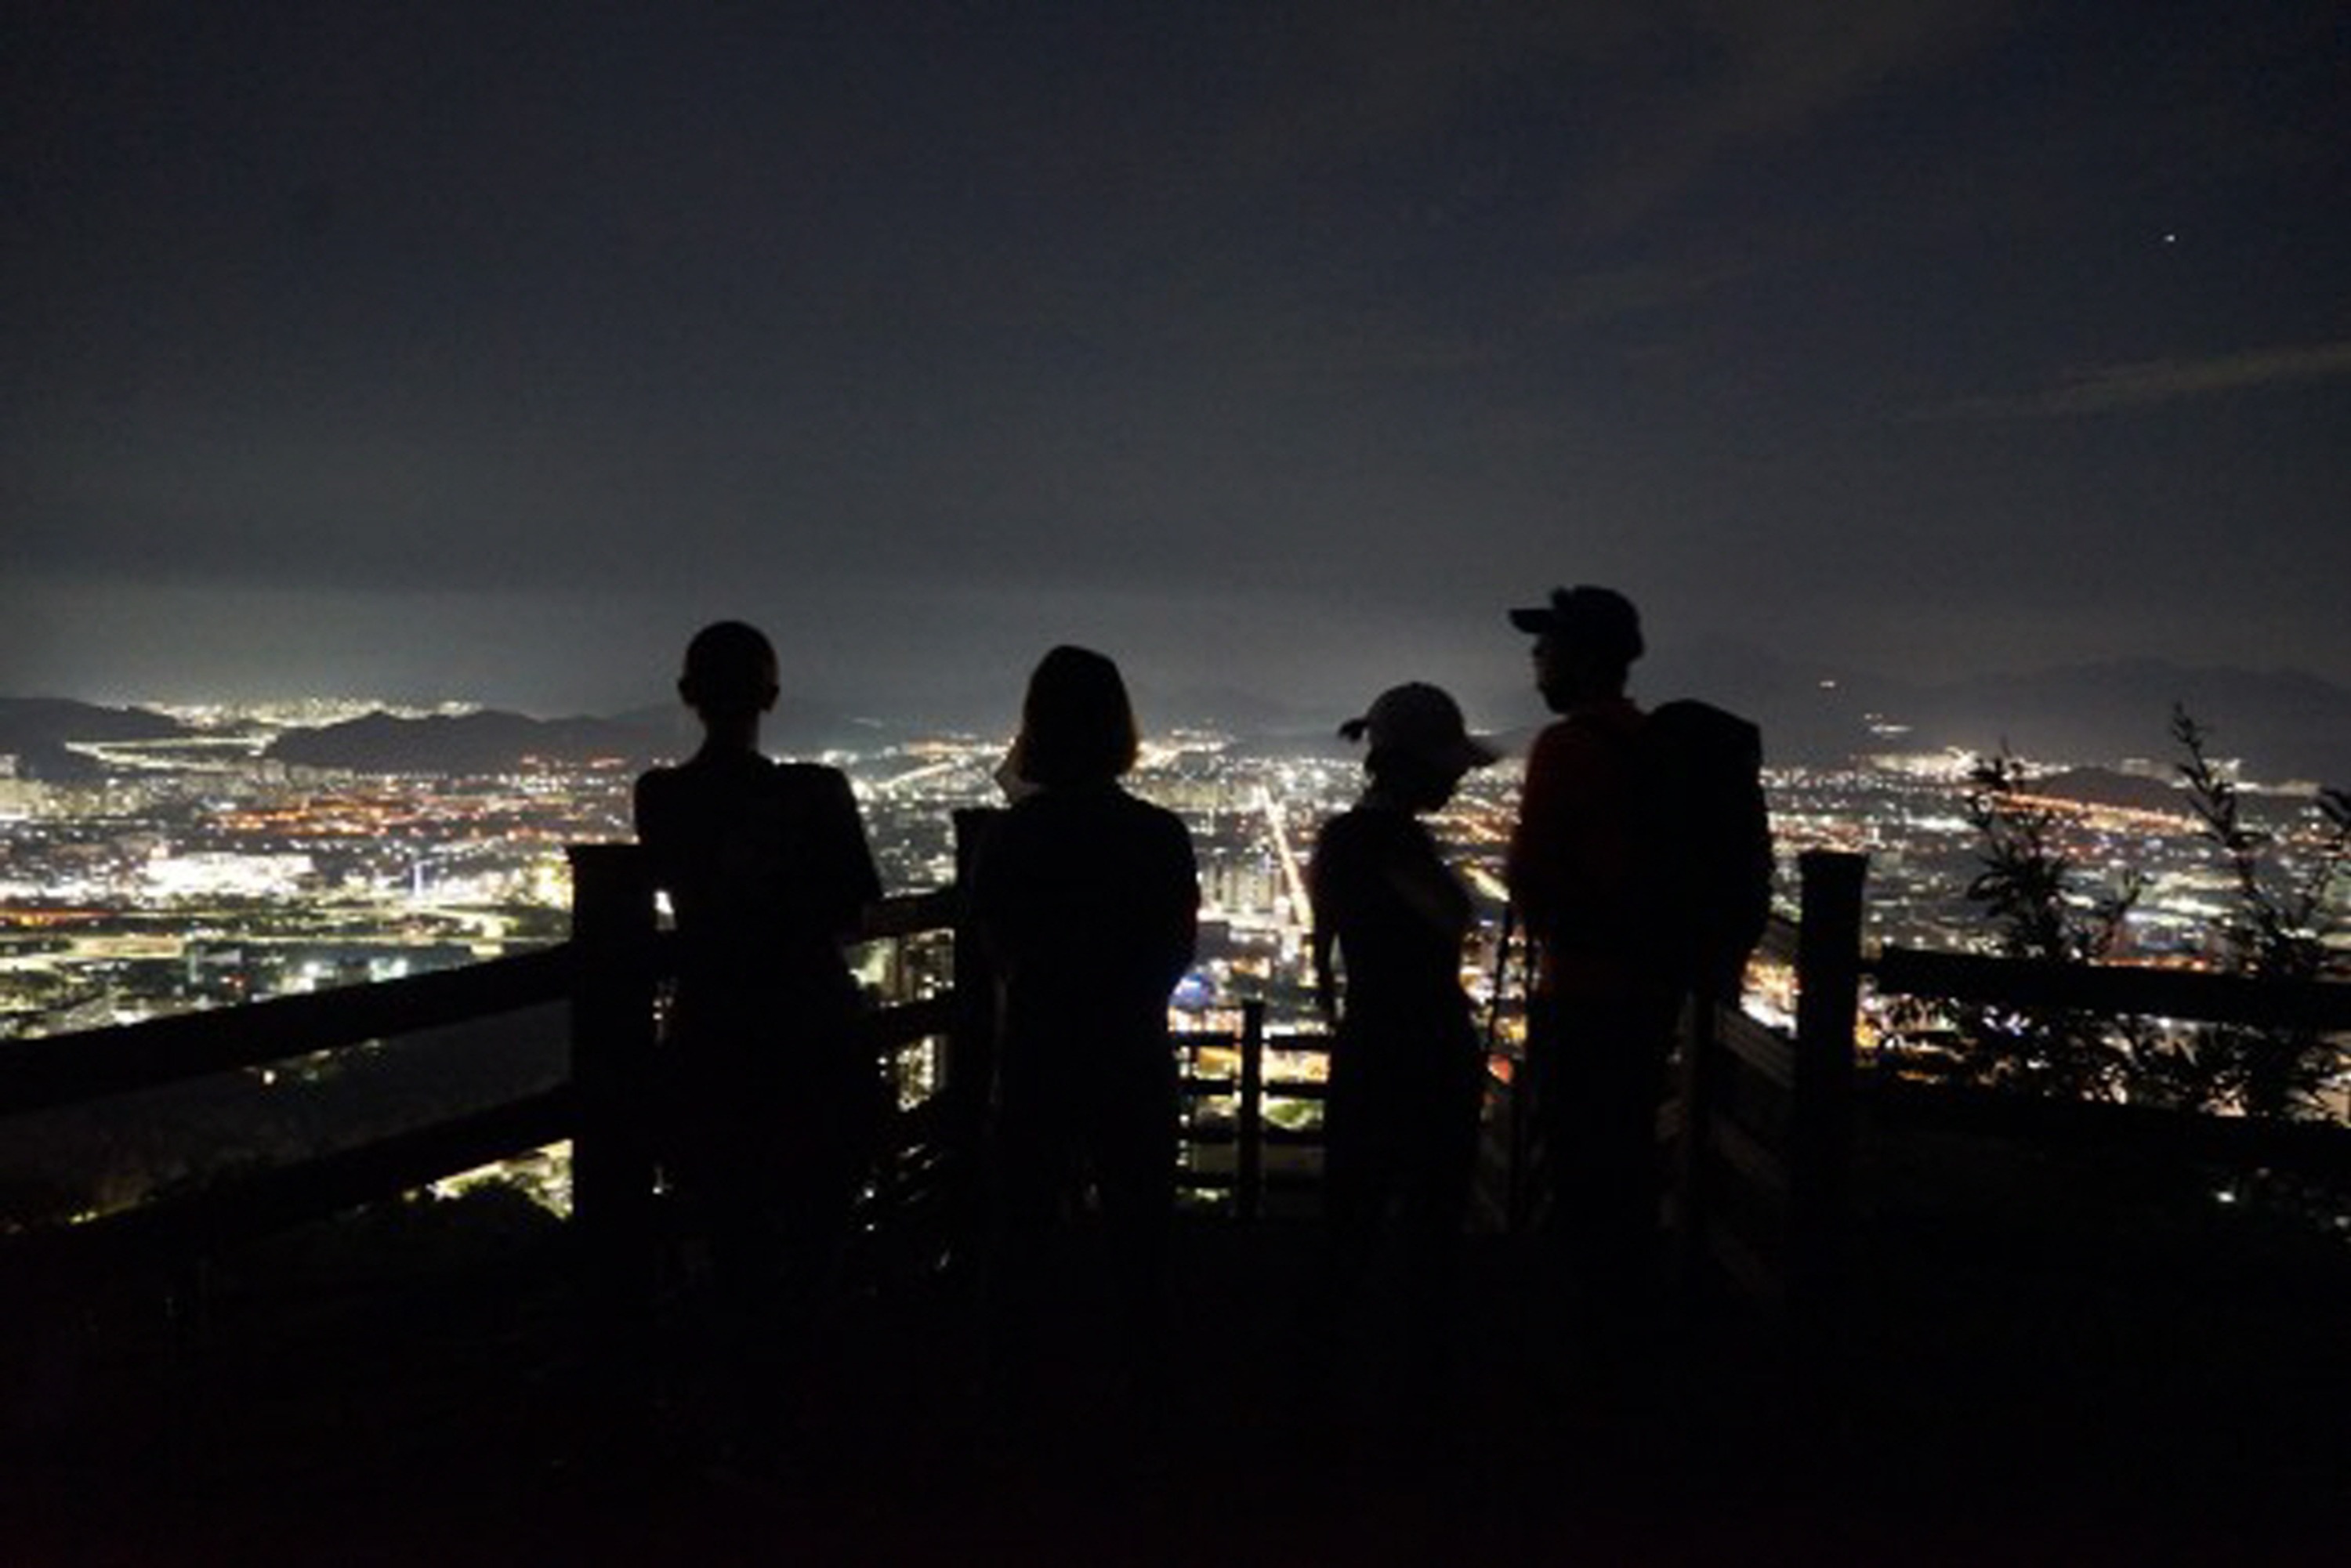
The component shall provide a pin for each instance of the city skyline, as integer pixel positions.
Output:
(1275, 351)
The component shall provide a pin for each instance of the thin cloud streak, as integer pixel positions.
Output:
(2152, 381)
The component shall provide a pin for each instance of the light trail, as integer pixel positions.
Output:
(1299, 902)
(928, 770)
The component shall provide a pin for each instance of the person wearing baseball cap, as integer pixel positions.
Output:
(1599, 1021)
(1400, 1133)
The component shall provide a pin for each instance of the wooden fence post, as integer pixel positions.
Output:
(1828, 994)
(1695, 1091)
(613, 930)
(1249, 1125)
(969, 1079)
(967, 1085)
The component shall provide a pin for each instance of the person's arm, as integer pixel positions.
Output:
(1426, 891)
(992, 907)
(1530, 868)
(1183, 902)
(652, 811)
(1319, 878)
(853, 884)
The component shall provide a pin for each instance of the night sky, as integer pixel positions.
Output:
(485, 350)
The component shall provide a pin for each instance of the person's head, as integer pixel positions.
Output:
(730, 673)
(1420, 746)
(1076, 724)
(1586, 639)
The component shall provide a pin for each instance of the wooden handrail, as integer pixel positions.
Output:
(2113, 989)
(910, 914)
(64, 1068)
(240, 1206)
(2312, 1148)
(50, 1070)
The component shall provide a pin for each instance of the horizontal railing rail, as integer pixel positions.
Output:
(2317, 1149)
(244, 1202)
(2110, 990)
(1758, 1130)
(2113, 989)
(62, 1070)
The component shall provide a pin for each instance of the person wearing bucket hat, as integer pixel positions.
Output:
(1599, 1020)
(1406, 1069)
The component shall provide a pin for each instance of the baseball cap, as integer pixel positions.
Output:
(1595, 619)
(1420, 721)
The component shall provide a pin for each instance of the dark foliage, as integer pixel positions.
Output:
(2273, 930)
(2026, 890)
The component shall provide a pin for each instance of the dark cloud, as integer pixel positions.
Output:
(490, 347)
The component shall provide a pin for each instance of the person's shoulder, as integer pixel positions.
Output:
(1141, 806)
(802, 784)
(1344, 841)
(1599, 727)
(815, 777)
(1620, 716)
(1019, 823)
(1161, 820)
(1037, 806)
(1560, 737)
(656, 787)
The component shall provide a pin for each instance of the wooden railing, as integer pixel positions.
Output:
(72, 1068)
(1760, 1131)
(1255, 1187)
(605, 977)
(1762, 1187)
(2314, 1147)
(1248, 1133)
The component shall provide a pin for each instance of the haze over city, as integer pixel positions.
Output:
(452, 351)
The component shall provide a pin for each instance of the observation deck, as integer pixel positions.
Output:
(1906, 1323)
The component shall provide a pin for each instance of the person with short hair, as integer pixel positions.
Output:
(1599, 1020)
(774, 1099)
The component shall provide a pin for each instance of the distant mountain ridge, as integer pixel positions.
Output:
(2284, 725)
(35, 731)
(484, 742)
(492, 740)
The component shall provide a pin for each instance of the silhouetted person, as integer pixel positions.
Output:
(1087, 899)
(1600, 1022)
(1407, 1069)
(774, 1102)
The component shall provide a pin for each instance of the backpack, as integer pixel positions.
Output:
(1705, 844)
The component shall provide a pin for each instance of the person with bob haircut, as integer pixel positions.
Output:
(1087, 900)
(772, 1101)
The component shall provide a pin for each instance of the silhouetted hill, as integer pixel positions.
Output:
(2283, 724)
(1229, 708)
(486, 742)
(35, 731)
(492, 742)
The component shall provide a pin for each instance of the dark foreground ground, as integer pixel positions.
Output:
(2041, 1361)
